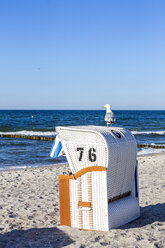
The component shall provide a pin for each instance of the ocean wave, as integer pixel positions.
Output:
(17, 167)
(146, 151)
(48, 133)
(148, 132)
(30, 133)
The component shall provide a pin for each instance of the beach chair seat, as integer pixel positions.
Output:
(102, 191)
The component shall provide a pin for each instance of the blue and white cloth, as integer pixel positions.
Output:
(56, 150)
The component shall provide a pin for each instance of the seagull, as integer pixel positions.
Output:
(109, 117)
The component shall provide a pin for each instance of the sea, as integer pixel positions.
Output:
(148, 127)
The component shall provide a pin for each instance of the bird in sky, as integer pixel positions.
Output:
(109, 116)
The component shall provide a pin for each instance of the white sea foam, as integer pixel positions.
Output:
(47, 133)
(4, 168)
(30, 133)
(17, 167)
(146, 151)
(148, 132)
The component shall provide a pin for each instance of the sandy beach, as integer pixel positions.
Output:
(29, 210)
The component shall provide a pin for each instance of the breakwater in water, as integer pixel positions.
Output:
(52, 138)
(27, 137)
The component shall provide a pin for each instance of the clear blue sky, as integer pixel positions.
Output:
(81, 54)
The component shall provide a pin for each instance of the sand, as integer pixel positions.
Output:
(29, 211)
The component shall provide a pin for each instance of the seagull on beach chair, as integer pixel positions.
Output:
(109, 116)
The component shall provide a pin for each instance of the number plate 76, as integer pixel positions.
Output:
(91, 154)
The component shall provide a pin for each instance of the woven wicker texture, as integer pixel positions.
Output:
(99, 199)
(75, 221)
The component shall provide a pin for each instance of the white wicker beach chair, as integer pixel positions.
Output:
(101, 192)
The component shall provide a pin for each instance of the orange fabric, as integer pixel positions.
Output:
(84, 204)
(65, 177)
(88, 169)
(64, 197)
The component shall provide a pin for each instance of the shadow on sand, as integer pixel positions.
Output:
(56, 238)
(148, 215)
(35, 238)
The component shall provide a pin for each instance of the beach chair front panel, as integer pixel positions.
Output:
(88, 201)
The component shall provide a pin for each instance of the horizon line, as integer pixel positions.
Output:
(81, 109)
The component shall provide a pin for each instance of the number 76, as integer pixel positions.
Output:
(91, 154)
